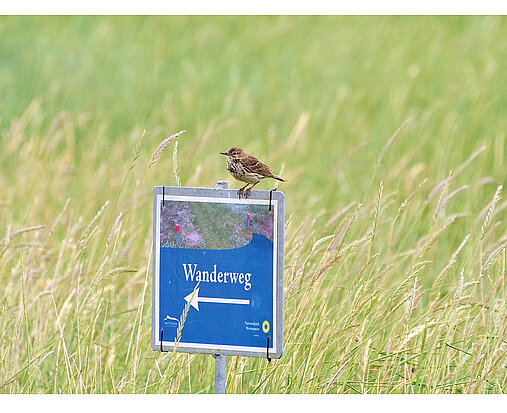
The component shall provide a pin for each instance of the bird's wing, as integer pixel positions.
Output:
(254, 165)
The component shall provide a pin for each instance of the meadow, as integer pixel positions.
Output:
(389, 130)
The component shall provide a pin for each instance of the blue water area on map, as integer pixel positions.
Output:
(221, 323)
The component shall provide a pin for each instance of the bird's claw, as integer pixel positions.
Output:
(240, 192)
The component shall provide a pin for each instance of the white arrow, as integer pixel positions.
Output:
(194, 301)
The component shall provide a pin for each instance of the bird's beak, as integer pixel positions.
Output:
(223, 153)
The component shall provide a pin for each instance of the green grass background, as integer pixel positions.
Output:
(379, 297)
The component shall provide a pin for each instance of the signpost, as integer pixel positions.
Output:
(218, 273)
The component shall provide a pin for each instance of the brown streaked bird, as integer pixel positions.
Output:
(247, 168)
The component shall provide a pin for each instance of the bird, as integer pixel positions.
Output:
(247, 168)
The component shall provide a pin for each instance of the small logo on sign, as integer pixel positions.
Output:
(265, 326)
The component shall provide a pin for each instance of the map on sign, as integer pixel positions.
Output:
(218, 271)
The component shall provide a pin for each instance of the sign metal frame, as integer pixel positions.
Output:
(277, 200)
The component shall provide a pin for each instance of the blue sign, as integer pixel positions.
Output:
(218, 272)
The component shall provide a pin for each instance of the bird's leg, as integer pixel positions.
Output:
(247, 193)
(240, 191)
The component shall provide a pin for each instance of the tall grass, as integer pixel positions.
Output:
(395, 231)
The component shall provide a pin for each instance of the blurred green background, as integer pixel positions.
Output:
(357, 78)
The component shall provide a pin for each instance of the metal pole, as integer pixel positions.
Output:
(220, 373)
(220, 360)
(222, 185)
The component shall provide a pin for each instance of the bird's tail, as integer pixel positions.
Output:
(280, 179)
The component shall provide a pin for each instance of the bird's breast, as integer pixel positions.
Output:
(241, 173)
